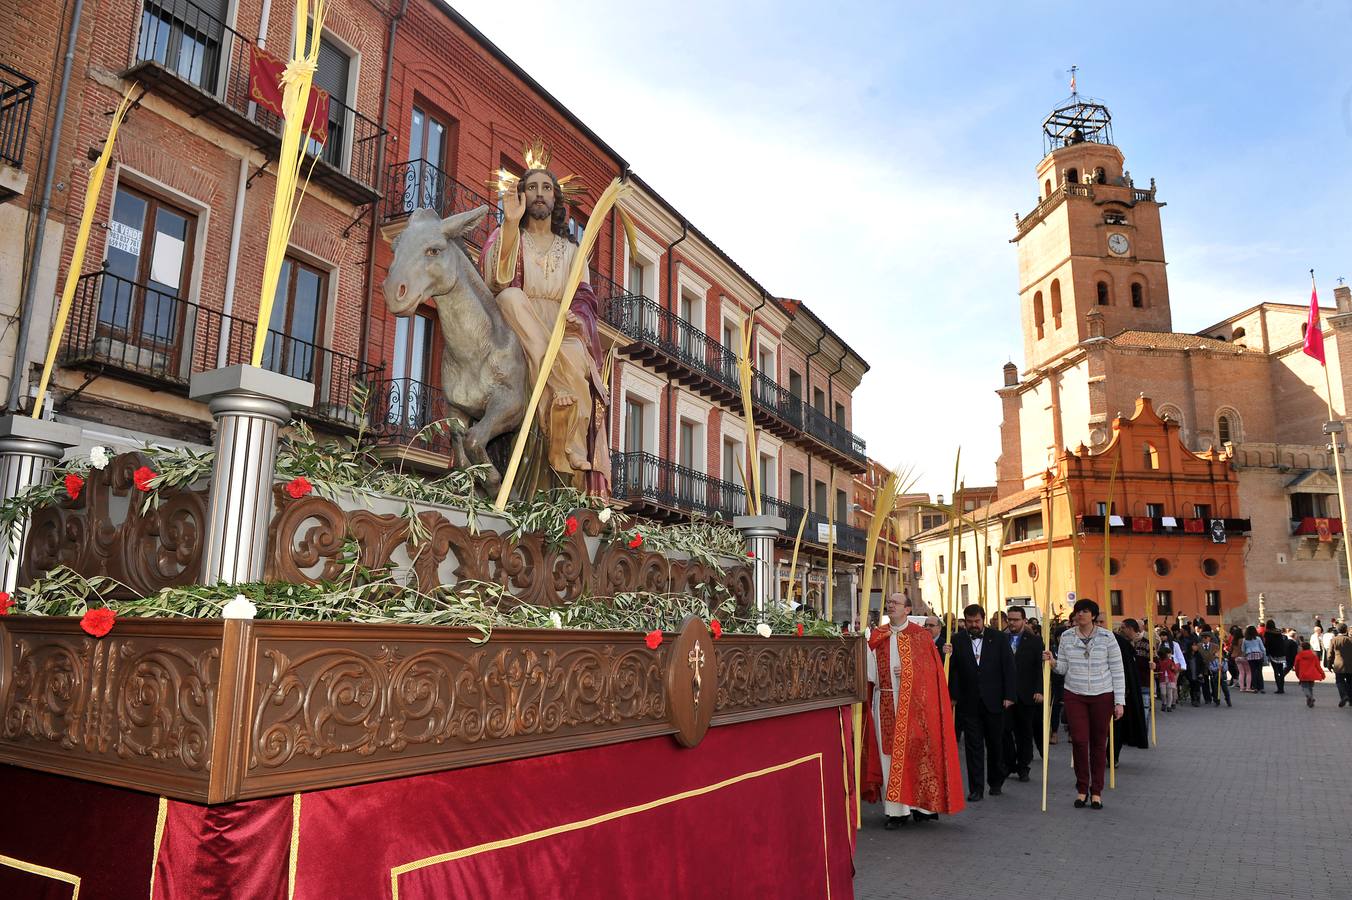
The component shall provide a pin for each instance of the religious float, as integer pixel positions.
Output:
(284, 669)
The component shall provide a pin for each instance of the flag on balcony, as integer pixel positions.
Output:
(265, 89)
(1324, 529)
(1314, 333)
(1142, 523)
(1194, 526)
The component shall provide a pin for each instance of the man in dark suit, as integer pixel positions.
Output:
(1023, 725)
(981, 683)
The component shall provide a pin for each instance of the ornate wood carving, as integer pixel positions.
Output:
(104, 532)
(307, 536)
(216, 711)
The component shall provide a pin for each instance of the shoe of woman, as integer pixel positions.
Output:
(1096, 804)
(1080, 802)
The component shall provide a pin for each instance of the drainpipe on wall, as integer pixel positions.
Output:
(44, 206)
(675, 309)
(232, 264)
(806, 401)
(374, 235)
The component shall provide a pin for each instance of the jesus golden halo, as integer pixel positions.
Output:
(537, 156)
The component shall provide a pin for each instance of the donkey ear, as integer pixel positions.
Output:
(459, 225)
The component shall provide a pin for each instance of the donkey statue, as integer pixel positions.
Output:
(483, 368)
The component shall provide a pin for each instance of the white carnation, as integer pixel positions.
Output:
(604, 515)
(763, 630)
(555, 619)
(98, 457)
(239, 608)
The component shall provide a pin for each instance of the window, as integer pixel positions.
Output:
(1038, 316)
(962, 560)
(1028, 528)
(842, 507)
(732, 461)
(931, 520)
(148, 264)
(297, 326)
(989, 555)
(796, 489)
(819, 498)
(637, 283)
(426, 179)
(409, 392)
(1210, 567)
(1046, 188)
(1102, 287)
(1114, 566)
(1213, 603)
(634, 414)
(185, 38)
(840, 414)
(767, 476)
(1313, 506)
(1115, 602)
(1304, 329)
(1072, 176)
(962, 593)
(795, 383)
(1152, 456)
(1164, 603)
(1013, 573)
(1056, 303)
(1137, 295)
(1223, 429)
(1101, 508)
(941, 564)
(1154, 510)
(332, 75)
(819, 400)
(1162, 566)
(686, 454)
(1201, 510)
(1239, 333)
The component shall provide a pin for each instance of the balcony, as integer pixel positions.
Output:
(409, 417)
(16, 103)
(1182, 527)
(161, 341)
(669, 344)
(202, 65)
(417, 184)
(832, 433)
(662, 489)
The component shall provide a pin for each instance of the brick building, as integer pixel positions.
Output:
(423, 109)
(1097, 323)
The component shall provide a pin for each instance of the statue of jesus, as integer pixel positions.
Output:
(526, 264)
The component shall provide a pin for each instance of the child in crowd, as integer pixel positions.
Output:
(1308, 671)
(1168, 675)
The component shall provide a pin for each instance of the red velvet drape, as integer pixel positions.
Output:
(759, 809)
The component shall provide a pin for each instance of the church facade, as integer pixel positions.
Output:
(1097, 323)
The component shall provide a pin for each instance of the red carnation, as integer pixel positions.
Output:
(750, 554)
(142, 477)
(98, 622)
(800, 629)
(716, 627)
(6, 604)
(74, 483)
(653, 639)
(570, 526)
(636, 541)
(298, 487)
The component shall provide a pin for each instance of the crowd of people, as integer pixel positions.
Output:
(991, 695)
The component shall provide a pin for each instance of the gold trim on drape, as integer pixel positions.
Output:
(35, 869)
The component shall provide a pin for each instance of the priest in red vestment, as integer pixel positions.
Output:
(911, 749)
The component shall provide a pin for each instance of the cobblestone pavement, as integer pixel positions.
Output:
(1235, 803)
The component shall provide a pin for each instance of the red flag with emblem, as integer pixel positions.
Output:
(1314, 332)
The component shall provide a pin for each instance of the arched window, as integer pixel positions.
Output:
(1038, 315)
(1100, 177)
(1056, 303)
(1304, 330)
(1238, 334)
(1103, 293)
(1046, 188)
(1072, 176)
(1229, 428)
(1137, 294)
(1223, 431)
(1151, 456)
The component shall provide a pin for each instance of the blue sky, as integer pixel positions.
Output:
(869, 158)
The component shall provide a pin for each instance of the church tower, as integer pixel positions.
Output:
(1093, 242)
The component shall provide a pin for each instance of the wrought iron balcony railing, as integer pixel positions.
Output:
(642, 319)
(829, 431)
(203, 64)
(16, 103)
(154, 336)
(418, 184)
(405, 412)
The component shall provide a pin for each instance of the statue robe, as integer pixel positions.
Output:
(1132, 729)
(912, 748)
(577, 368)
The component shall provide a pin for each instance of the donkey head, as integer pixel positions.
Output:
(429, 259)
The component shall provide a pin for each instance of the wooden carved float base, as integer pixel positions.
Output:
(214, 711)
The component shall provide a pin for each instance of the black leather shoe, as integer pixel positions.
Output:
(924, 817)
(995, 791)
(1080, 802)
(1096, 804)
(894, 822)
(975, 796)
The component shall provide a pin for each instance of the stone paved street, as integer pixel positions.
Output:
(1235, 803)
